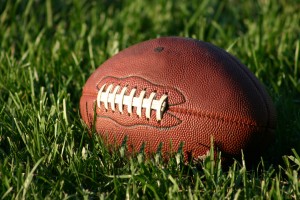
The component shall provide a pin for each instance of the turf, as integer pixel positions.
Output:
(48, 49)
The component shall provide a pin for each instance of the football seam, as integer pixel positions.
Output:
(178, 120)
(258, 90)
(214, 117)
(162, 127)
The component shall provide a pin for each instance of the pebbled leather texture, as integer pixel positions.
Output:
(210, 94)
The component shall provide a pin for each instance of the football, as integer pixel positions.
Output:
(172, 92)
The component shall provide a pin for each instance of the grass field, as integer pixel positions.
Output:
(48, 49)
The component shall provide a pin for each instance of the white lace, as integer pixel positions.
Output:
(108, 95)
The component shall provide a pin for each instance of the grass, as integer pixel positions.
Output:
(48, 49)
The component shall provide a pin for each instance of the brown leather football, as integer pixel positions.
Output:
(173, 90)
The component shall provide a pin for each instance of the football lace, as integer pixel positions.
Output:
(110, 95)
